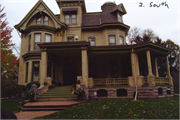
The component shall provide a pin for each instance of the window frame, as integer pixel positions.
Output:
(34, 62)
(27, 67)
(119, 17)
(46, 34)
(70, 19)
(36, 47)
(120, 40)
(67, 19)
(70, 37)
(29, 49)
(46, 22)
(112, 44)
(92, 39)
(38, 20)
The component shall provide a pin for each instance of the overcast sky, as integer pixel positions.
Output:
(163, 20)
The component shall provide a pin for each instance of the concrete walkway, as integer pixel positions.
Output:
(33, 114)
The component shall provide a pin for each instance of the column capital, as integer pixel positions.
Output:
(84, 48)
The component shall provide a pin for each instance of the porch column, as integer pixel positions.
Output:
(150, 77)
(135, 70)
(156, 67)
(29, 71)
(168, 71)
(149, 62)
(167, 67)
(134, 60)
(43, 67)
(84, 58)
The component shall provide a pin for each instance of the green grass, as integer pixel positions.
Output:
(165, 108)
(11, 105)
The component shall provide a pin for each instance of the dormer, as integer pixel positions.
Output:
(71, 11)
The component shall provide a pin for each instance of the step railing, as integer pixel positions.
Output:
(110, 81)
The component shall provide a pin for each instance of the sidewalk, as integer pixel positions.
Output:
(33, 114)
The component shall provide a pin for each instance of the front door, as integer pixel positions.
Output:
(114, 69)
(69, 74)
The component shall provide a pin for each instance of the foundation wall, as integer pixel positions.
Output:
(143, 92)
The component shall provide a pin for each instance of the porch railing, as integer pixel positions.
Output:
(161, 80)
(145, 80)
(110, 81)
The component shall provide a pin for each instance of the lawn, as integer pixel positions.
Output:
(121, 109)
(11, 105)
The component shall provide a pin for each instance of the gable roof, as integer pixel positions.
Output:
(119, 8)
(40, 6)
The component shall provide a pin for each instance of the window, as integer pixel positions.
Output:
(119, 18)
(67, 19)
(35, 71)
(26, 72)
(70, 19)
(121, 41)
(92, 41)
(73, 18)
(112, 40)
(46, 20)
(37, 41)
(47, 38)
(70, 39)
(29, 43)
(38, 21)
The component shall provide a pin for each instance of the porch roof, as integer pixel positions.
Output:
(141, 47)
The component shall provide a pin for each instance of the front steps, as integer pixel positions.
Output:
(58, 93)
(55, 99)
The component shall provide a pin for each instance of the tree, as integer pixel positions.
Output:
(8, 60)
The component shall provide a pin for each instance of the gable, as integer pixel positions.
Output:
(119, 8)
(39, 8)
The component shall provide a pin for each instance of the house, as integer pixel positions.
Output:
(91, 48)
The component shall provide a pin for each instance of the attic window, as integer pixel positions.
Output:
(46, 20)
(119, 18)
(112, 40)
(38, 21)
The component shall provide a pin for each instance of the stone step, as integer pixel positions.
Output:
(44, 109)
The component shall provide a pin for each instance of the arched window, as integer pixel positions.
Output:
(121, 92)
(46, 20)
(168, 91)
(92, 41)
(70, 38)
(38, 20)
(160, 91)
(112, 40)
(121, 40)
(102, 93)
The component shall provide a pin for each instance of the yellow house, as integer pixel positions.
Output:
(91, 48)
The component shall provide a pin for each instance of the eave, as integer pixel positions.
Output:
(32, 55)
(126, 27)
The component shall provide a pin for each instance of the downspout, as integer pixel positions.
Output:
(135, 98)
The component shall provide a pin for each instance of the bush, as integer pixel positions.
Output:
(28, 86)
(21, 89)
(9, 88)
